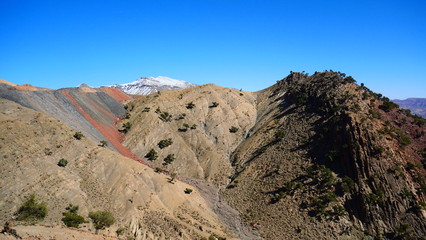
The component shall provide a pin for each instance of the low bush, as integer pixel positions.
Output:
(62, 162)
(190, 105)
(78, 135)
(169, 159)
(165, 143)
(31, 210)
(71, 217)
(233, 129)
(152, 155)
(187, 191)
(102, 219)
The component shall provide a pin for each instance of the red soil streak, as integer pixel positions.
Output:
(117, 94)
(105, 112)
(110, 133)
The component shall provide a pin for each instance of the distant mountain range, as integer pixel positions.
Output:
(416, 105)
(148, 85)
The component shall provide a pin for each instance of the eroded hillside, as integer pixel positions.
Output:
(198, 122)
(310, 156)
(143, 202)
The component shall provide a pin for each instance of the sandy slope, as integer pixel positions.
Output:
(142, 201)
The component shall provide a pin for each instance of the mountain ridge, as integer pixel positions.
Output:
(148, 85)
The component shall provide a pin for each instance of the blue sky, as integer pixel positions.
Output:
(240, 44)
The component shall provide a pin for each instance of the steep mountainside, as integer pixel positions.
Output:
(312, 156)
(92, 111)
(416, 105)
(145, 86)
(335, 159)
(143, 202)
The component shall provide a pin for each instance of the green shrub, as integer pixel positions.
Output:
(101, 219)
(31, 210)
(403, 139)
(233, 129)
(120, 231)
(152, 155)
(387, 105)
(190, 105)
(166, 117)
(71, 218)
(169, 159)
(419, 120)
(78, 135)
(347, 184)
(214, 104)
(126, 127)
(103, 143)
(165, 143)
(181, 116)
(187, 191)
(146, 109)
(194, 126)
(62, 162)
(279, 134)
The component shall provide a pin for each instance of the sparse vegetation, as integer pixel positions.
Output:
(190, 105)
(31, 210)
(165, 117)
(214, 104)
(165, 143)
(120, 231)
(169, 159)
(388, 105)
(102, 219)
(126, 127)
(71, 217)
(279, 134)
(181, 116)
(233, 129)
(172, 178)
(78, 135)
(103, 143)
(152, 155)
(146, 109)
(62, 162)
(188, 191)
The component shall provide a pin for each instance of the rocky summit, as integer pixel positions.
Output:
(311, 157)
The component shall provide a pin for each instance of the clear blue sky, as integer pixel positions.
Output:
(241, 44)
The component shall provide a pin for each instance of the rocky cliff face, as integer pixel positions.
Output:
(330, 155)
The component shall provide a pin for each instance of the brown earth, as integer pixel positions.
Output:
(143, 202)
(7, 82)
(28, 87)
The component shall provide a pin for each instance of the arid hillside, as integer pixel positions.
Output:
(311, 157)
(145, 204)
(197, 121)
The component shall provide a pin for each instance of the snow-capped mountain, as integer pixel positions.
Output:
(148, 85)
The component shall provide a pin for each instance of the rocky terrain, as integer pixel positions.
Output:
(309, 157)
(416, 105)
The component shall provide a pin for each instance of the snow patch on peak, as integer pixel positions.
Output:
(148, 85)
